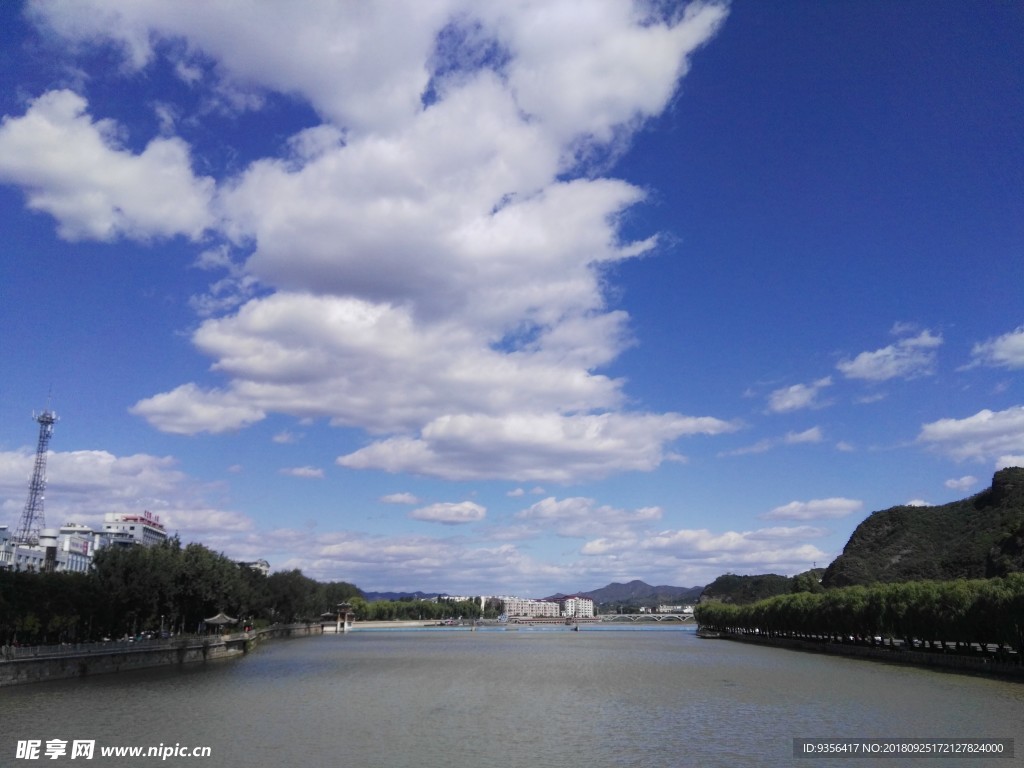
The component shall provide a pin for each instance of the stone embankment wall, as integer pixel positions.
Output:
(950, 661)
(34, 665)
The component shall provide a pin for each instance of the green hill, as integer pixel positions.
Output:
(975, 538)
(742, 590)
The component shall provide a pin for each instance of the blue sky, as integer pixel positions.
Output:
(512, 298)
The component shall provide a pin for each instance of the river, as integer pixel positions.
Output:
(645, 697)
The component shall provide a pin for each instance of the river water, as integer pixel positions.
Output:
(437, 698)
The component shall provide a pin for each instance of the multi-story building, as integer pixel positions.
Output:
(577, 607)
(518, 607)
(72, 546)
(129, 529)
(573, 606)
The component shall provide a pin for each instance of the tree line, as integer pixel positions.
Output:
(164, 588)
(933, 613)
(424, 610)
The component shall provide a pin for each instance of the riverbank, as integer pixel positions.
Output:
(937, 660)
(41, 663)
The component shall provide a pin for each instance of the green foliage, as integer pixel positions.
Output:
(975, 538)
(984, 611)
(742, 590)
(416, 610)
(165, 587)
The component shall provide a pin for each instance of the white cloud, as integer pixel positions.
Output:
(985, 435)
(812, 435)
(305, 472)
(582, 517)
(84, 485)
(815, 509)
(1009, 461)
(962, 483)
(547, 447)
(797, 396)
(432, 257)
(450, 513)
(400, 498)
(187, 410)
(778, 550)
(1006, 351)
(422, 562)
(917, 503)
(907, 358)
(75, 170)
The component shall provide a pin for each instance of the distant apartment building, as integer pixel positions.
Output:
(129, 529)
(519, 607)
(577, 607)
(574, 606)
(683, 609)
(72, 546)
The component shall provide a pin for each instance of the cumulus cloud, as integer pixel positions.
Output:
(778, 550)
(431, 258)
(421, 562)
(985, 435)
(1006, 351)
(906, 359)
(187, 410)
(815, 509)
(84, 485)
(450, 513)
(582, 517)
(962, 483)
(75, 169)
(1010, 461)
(797, 396)
(533, 447)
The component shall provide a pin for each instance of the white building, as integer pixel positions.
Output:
(127, 529)
(68, 548)
(683, 609)
(577, 607)
(72, 546)
(519, 607)
(573, 606)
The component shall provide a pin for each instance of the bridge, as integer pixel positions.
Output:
(634, 618)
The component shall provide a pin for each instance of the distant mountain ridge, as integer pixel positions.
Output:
(637, 592)
(634, 592)
(976, 538)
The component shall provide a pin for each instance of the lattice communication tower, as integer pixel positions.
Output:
(32, 520)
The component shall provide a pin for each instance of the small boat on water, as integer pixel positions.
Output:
(708, 634)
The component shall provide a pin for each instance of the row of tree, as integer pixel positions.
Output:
(983, 611)
(168, 587)
(424, 610)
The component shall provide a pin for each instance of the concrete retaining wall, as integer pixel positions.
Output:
(950, 662)
(50, 665)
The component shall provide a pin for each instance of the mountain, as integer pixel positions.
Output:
(639, 593)
(742, 590)
(975, 538)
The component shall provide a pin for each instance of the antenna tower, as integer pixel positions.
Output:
(32, 520)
